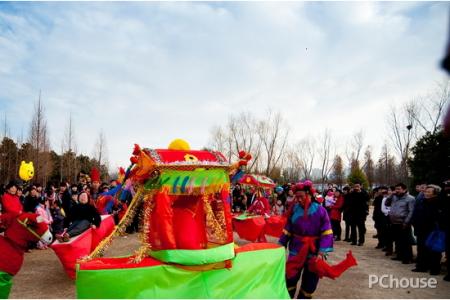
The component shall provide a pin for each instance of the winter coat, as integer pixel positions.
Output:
(402, 209)
(358, 206)
(336, 209)
(85, 212)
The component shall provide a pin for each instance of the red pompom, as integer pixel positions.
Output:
(95, 175)
(242, 154)
(134, 159)
(137, 149)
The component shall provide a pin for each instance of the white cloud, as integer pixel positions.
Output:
(150, 72)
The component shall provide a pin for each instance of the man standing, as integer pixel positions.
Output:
(400, 215)
(378, 216)
(358, 210)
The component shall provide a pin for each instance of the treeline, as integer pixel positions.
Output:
(49, 166)
(324, 158)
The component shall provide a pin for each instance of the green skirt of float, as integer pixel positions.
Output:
(5, 285)
(255, 274)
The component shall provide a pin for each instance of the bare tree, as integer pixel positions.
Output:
(100, 152)
(306, 151)
(39, 141)
(68, 153)
(402, 127)
(353, 149)
(369, 167)
(338, 170)
(325, 155)
(274, 136)
(238, 134)
(427, 111)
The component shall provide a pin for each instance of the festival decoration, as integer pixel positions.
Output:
(187, 236)
(257, 180)
(25, 229)
(26, 171)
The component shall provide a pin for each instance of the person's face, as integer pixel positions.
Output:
(418, 187)
(83, 198)
(39, 189)
(12, 190)
(33, 193)
(337, 194)
(74, 197)
(389, 192)
(300, 194)
(62, 189)
(19, 193)
(423, 187)
(96, 185)
(399, 190)
(279, 202)
(357, 187)
(429, 193)
(291, 193)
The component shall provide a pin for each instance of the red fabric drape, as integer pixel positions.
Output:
(323, 269)
(250, 229)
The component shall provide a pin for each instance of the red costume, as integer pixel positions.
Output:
(336, 209)
(260, 206)
(11, 208)
(21, 230)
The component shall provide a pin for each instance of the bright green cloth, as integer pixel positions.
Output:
(255, 274)
(195, 257)
(5, 285)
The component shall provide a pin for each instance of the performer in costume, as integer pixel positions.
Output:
(307, 234)
(260, 206)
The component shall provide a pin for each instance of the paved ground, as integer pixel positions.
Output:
(43, 277)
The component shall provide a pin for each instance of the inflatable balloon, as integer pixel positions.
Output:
(26, 171)
(179, 144)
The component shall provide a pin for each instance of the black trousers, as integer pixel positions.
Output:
(361, 225)
(337, 230)
(77, 227)
(427, 260)
(402, 239)
(347, 229)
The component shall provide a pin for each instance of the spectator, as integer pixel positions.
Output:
(289, 199)
(426, 218)
(32, 200)
(240, 201)
(445, 199)
(20, 195)
(11, 206)
(358, 211)
(400, 215)
(335, 214)
(42, 210)
(345, 213)
(385, 209)
(278, 208)
(378, 216)
(83, 216)
(58, 218)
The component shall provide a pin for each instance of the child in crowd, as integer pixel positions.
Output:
(41, 210)
(58, 218)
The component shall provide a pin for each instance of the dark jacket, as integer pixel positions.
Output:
(85, 212)
(66, 202)
(30, 204)
(358, 206)
(427, 215)
(58, 220)
(377, 213)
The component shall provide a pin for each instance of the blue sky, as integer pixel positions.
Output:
(150, 72)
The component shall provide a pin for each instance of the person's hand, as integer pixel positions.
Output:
(93, 226)
(321, 255)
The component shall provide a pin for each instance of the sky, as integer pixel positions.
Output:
(150, 72)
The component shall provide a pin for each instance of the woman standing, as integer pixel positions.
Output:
(308, 232)
(335, 214)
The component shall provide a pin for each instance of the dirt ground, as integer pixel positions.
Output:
(42, 275)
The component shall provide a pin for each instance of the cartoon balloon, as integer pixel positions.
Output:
(26, 171)
(179, 144)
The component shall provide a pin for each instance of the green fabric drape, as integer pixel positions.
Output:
(255, 274)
